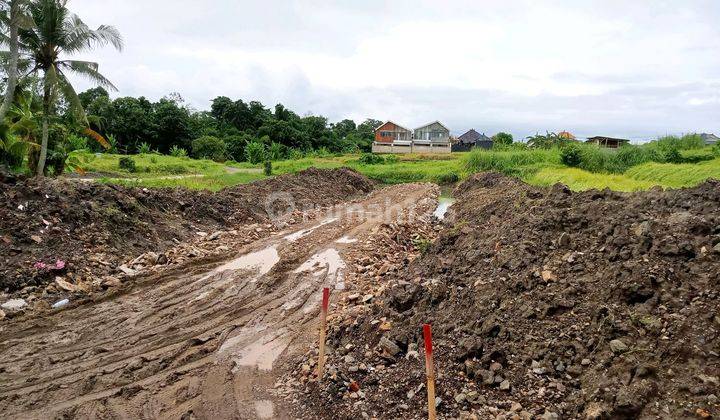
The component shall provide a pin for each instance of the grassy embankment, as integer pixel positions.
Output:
(538, 167)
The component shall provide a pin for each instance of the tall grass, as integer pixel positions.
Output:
(676, 175)
(519, 163)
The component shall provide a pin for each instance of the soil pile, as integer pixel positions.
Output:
(544, 304)
(55, 227)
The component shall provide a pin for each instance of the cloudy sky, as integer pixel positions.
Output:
(626, 68)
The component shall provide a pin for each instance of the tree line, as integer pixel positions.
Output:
(231, 129)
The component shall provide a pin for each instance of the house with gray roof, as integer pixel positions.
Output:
(709, 139)
(471, 139)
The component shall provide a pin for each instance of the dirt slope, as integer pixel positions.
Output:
(544, 304)
(94, 227)
(199, 339)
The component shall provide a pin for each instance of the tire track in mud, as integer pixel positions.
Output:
(198, 343)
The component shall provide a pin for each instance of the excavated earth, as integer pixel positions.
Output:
(200, 327)
(544, 303)
(93, 228)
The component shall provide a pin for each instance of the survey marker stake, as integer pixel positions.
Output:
(323, 328)
(429, 371)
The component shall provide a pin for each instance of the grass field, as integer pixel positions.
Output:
(538, 167)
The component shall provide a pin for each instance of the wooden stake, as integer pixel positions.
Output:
(323, 327)
(429, 371)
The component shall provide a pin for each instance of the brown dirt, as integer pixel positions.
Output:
(94, 227)
(200, 337)
(527, 290)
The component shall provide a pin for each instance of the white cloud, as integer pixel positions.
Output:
(626, 68)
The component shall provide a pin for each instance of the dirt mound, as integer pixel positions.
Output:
(52, 227)
(549, 303)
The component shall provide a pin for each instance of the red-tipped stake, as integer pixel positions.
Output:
(429, 371)
(323, 327)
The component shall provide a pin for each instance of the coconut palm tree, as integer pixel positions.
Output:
(13, 17)
(57, 32)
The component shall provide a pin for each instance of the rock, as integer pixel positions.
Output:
(488, 377)
(585, 362)
(642, 229)
(14, 305)
(412, 354)
(354, 387)
(389, 346)
(385, 326)
(548, 276)
(353, 297)
(716, 248)
(41, 305)
(127, 270)
(215, 236)
(2, 314)
(516, 406)
(110, 281)
(64, 284)
(367, 298)
(305, 369)
(36, 239)
(222, 248)
(162, 259)
(564, 239)
(708, 380)
(505, 385)
(618, 347)
(549, 415)
(460, 398)
(495, 367)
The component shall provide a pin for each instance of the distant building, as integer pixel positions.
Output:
(434, 132)
(471, 139)
(566, 135)
(609, 142)
(389, 132)
(709, 139)
(394, 138)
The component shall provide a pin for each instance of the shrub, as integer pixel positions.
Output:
(75, 142)
(176, 151)
(684, 142)
(209, 147)
(276, 151)
(144, 147)
(570, 155)
(255, 152)
(295, 154)
(153, 159)
(502, 138)
(127, 163)
(235, 146)
(371, 159)
(267, 168)
(391, 159)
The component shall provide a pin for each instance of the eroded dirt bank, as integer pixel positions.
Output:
(94, 228)
(201, 337)
(544, 304)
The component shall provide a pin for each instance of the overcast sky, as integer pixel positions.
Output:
(625, 68)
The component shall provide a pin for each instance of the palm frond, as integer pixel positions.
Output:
(89, 70)
(97, 137)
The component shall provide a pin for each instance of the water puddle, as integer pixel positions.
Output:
(263, 350)
(443, 204)
(265, 409)
(304, 232)
(329, 261)
(346, 240)
(261, 262)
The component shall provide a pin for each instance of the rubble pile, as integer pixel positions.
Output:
(545, 304)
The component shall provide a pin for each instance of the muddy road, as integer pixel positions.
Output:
(199, 341)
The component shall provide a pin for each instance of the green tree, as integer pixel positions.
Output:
(502, 138)
(57, 31)
(366, 129)
(343, 128)
(209, 147)
(171, 124)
